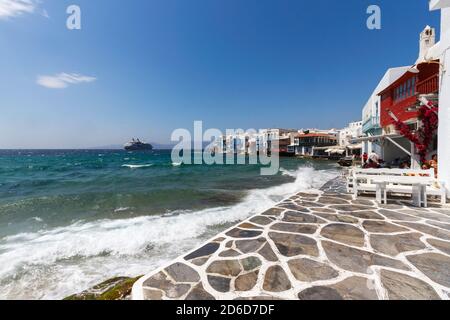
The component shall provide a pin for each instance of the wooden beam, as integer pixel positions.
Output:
(399, 146)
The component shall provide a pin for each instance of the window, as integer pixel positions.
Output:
(408, 88)
(413, 126)
(405, 90)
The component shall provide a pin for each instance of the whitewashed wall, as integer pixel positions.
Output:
(444, 103)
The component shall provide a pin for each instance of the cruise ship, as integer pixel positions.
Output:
(138, 145)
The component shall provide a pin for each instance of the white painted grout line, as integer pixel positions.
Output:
(137, 290)
(373, 276)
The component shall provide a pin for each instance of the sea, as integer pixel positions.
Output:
(70, 219)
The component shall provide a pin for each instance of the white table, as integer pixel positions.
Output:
(419, 195)
(381, 191)
(419, 185)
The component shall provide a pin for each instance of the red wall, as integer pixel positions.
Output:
(399, 109)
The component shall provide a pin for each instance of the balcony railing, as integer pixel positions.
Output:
(430, 85)
(371, 123)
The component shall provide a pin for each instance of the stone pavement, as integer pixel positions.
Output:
(317, 245)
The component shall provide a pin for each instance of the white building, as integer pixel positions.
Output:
(277, 140)
(392, 94)
(331, 132)
(238, 143)
(372, 111)
(352, 131)
(442, 51)
(265, 141)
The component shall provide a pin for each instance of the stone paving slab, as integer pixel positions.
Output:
(317, 245)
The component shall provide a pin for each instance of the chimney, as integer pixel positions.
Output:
(427, 40)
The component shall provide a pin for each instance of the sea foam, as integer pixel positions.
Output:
(137, 166)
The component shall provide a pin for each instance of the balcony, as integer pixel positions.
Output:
(371, 124)
(430, 85)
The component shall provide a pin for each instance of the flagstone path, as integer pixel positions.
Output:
(317, 245)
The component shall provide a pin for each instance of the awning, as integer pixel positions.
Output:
(375, 138)
(335, 151)
(389, 137)
(354, 147)
(329, 148)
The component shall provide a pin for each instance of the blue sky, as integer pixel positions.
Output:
(151, 66)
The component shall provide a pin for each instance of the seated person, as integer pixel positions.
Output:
(371, 165)
(405, 165)
(381, 163)
(433, 164)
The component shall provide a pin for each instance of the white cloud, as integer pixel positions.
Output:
(63, 80)
(14, 8)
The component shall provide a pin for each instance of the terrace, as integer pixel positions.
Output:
(316, 245)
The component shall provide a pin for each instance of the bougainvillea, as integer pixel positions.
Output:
(423, 136)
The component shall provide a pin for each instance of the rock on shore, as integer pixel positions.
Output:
(113, 289)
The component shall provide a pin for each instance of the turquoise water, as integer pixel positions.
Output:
(70, 219)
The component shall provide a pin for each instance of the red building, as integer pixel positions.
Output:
(401, 97)
(400, 101)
